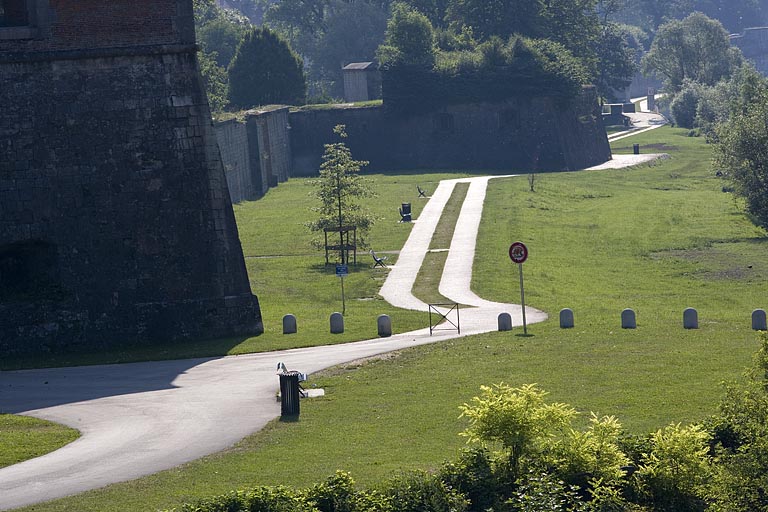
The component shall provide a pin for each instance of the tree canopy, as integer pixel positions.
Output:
(265, 71)
(696, 48)
(741, 150)
(339, 190)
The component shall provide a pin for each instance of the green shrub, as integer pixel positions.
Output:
(684, 105)
(473, 476)
(540, 492)
(675, 474)
(419, 491)
(494, 71)
(260, 499)
(336, 494)
(741, 442)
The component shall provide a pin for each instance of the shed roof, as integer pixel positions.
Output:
(359, 65)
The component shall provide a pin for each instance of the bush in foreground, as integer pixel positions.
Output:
(542, 463)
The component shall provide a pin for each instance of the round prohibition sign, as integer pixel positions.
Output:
(518, 252)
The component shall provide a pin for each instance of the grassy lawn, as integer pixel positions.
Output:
(23, 438)
(657, 238)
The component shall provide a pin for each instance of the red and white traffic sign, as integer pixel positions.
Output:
(518, 252)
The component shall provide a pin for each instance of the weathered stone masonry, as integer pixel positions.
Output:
(115, 220)
(520, 134)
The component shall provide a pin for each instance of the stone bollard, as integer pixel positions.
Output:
(337, 323)
(384, 323)
(690, 319)
(628, 319)
(566, 318)
(505, 322)
(289, 324)
(758, 320)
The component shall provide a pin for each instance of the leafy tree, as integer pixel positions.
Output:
(330, 34)
(685, 105)
(265, 70)
(498, 17)
(696, 48)
(220, 37)
(409, 39)
(219, 32)
(616, 59)
(742, 150)
(339, 189)
(216, 82)
(353, 33)
(433, 9)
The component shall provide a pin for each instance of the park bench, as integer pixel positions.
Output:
(378, 261)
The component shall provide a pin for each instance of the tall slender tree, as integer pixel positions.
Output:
(265, 70)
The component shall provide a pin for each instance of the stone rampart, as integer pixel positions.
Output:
(520, 134)
(753, 43)
(115, 220)
(256, 152)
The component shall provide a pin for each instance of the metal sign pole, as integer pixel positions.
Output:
(518, 253)
(522, 297)
(343, 301)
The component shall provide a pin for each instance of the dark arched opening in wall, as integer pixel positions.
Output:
(14, 13)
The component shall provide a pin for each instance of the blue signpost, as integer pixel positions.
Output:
(342, 271)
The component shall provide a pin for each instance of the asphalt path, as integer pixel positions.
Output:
(138, 419)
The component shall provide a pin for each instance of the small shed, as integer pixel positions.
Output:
(362, 81)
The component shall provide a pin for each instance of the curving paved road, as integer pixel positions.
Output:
(137, 419)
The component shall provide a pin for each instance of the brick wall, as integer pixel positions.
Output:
(97, 24)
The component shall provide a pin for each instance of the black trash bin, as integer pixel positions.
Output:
(405, 212)
(289, 394)
(636, 149)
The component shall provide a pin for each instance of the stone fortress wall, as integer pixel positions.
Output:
(753, 43)
(520, 134)
(116, 225)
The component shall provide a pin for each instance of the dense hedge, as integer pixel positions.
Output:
(494, 71)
